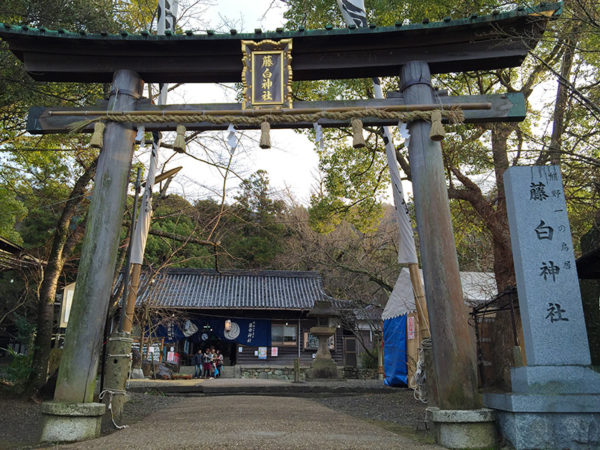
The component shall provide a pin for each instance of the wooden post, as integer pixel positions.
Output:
(452, 351)
(79, 364)
(380, 368)
(124, 311)
(296, 370)
(136, 270)
(421, 306)
(412, 349)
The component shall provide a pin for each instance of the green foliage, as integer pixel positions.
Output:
(176, 216)
(256, 234)
(34, 185)
(37, 185)
(20, 366)
(354, 182)
(12, 211)
(24, 328)
(473, 154)
(369, 361)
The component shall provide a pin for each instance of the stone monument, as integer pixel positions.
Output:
(555, 399)
(323, 366)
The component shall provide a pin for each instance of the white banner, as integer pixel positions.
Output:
(354, 14)
(142, 226)
(167, 13)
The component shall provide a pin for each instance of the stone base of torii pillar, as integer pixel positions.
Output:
(71, 422)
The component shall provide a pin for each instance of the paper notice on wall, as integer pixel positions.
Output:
(262, 352)
(410, 327)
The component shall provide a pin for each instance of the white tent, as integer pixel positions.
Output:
(477, 287)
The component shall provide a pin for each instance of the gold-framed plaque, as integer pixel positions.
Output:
(267, 74)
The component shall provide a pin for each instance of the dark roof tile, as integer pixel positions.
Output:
(232, 289)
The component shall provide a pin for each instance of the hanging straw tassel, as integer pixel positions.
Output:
(98, 136)
(179, 144)
(265, 137)
(358, 140)
(437, 132)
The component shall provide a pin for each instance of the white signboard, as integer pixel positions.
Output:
(67, 301)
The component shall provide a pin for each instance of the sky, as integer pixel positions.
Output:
(291, 162)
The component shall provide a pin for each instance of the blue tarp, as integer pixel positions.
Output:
(394, 340)
(251, 332)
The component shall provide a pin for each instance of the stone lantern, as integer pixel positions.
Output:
(323, 366)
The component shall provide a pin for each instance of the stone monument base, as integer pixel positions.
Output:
(463, 428)
(550, 430)
(550, 407)
(70, 422)
(323, 368)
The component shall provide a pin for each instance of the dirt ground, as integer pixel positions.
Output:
(398, 412)
(21, 420)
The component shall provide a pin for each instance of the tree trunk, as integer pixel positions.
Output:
(493, 213)
(502, 332)
(560, 106)
(503, 261)
(56, 261)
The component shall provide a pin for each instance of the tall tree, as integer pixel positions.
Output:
(43, 181)
(476, 157)
(257, 234)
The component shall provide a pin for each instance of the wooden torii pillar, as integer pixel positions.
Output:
(453, 357)
(78, 370)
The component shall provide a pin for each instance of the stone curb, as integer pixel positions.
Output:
(263, 390)
(460, 415)
(73, 409)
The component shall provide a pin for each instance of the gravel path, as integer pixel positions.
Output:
(21, 421)
(395, 412)
(251, 422)
(399, 407)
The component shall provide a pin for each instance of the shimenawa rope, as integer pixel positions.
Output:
(453, 116)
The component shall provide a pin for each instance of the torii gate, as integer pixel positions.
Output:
(415, 51)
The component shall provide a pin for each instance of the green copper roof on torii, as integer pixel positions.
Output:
(501, 39)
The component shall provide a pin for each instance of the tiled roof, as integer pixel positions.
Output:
(368, 312)
(235, 289)
(13, 256)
